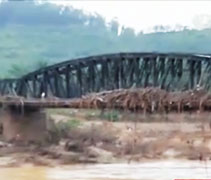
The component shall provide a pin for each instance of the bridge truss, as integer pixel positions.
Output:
(73, 78)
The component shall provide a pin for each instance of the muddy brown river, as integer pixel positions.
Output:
(165, 170)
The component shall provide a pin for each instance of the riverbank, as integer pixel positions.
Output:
(93, 136)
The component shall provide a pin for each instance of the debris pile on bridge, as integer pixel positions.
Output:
(145, 100)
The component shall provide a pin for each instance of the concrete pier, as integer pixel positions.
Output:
(24, 125)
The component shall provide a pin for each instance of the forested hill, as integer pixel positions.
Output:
(33, 35)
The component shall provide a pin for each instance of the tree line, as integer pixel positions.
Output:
(34, 36)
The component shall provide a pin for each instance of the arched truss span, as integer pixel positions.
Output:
(73, 78)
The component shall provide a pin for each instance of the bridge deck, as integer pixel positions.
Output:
(143, 100)
(39, 103)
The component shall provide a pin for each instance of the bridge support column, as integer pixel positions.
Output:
(24, 125)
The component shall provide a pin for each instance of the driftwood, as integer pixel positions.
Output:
(146, 100)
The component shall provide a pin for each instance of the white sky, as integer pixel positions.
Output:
(143, 15)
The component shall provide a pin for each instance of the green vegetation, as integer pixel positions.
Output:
(33, 36)
(64, 112)
(72, 123)
(110, 116)
(92, 114)
(63, 127)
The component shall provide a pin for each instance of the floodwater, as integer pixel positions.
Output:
(165, 170)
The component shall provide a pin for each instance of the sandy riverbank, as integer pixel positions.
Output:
(87, 136)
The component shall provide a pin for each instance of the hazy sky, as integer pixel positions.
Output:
(143, 15)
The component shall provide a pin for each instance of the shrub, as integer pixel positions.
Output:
(63, 127)
(111, 116)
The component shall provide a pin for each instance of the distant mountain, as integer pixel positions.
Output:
(31, 34)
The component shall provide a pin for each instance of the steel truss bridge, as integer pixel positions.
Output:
(74, 78)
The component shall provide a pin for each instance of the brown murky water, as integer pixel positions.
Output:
(165, 170)
(24, 173)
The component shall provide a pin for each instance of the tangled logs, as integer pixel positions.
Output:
(147, 100)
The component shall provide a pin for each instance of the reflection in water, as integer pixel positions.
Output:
(164, 170)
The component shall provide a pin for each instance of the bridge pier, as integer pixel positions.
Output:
(24, 124)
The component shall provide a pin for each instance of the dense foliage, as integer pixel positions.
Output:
(33, 36)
